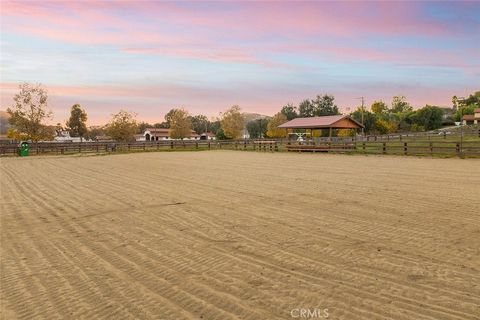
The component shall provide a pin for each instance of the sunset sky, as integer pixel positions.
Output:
(149, 56)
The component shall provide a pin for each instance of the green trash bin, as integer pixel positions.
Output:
(23, 148)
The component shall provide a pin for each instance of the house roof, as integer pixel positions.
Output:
(469, 117)
(164, 132)
(321, 122)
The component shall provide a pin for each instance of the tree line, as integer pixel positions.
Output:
(30, 110)
(381, 118)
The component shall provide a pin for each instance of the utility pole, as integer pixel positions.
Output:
(363, 110)
(462, 100)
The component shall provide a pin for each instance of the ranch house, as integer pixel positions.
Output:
(472, 118)
(156, 134)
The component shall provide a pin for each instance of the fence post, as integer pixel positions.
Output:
(171, 144)
(431, 148)
(244, 144)
(363, 145)
(196, 144)
(445, 134)
(405, 148)
(384, 149)
(208, 145)
(276, 146)
(457, 149)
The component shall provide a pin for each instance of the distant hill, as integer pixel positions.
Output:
(254, 116)
(4, 125)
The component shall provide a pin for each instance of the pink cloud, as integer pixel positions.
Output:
(217, 32)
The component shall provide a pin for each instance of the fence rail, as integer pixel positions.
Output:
(467, 148)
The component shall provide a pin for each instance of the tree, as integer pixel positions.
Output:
(232, 122)
(257, 128)
(429, 117)
(220, 135)
(214, 126)
(168, 117)
(400, 104)
(180, 123)
(306, 109)
(464, 110)
(466, 106)
(379, 107)
(455, 102)
(325, 106)
(77, 123)
(369, 119)
(290, 111)
(321, 106)
(29, 111)
(4, 123)
(273, 130)
(162, 125)
(142, 126)
(473, 99)
(122, 127)
(200, 123)
(385, 126)
(95, 131)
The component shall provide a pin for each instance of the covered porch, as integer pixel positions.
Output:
(321, 123)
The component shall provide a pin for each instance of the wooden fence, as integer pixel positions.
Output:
(463, 148)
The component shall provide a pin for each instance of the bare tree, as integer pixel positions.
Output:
(28, 113)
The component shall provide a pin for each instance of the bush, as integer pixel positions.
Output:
(346, 133)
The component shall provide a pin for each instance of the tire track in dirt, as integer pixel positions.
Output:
(201, 236)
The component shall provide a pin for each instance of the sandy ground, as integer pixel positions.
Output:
(240, 235)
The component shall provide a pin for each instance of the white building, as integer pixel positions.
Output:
(156, 134)
(207, 136)
(64, 136)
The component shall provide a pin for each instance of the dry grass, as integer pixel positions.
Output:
(225, 235)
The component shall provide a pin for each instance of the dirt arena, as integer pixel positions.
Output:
(239, 235)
